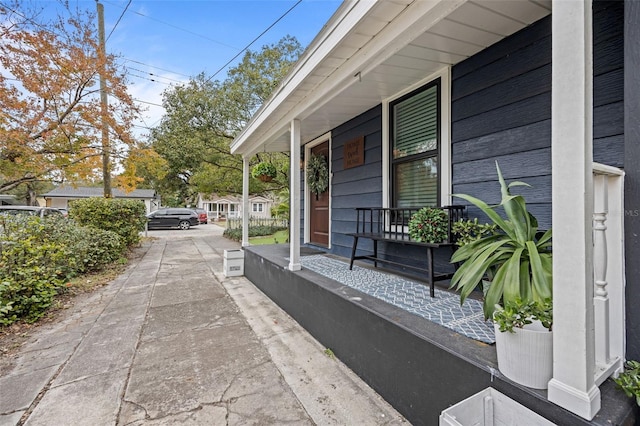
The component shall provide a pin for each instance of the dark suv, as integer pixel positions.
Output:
(172, 218)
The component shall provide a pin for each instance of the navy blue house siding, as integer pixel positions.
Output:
(501, 111)
(357, 186)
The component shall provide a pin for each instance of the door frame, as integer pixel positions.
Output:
(307, 205)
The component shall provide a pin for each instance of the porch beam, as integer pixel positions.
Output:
(294, 204)
(572, 386)
(245, 202)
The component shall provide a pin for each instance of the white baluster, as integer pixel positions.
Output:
(601, 299)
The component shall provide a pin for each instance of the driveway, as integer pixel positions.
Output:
(173, 341)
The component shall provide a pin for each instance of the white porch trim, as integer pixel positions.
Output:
(444, 160)
(245, 201)
(294, 204)
(573, 386)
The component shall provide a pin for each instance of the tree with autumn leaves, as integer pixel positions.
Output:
(51, 123)
(50, 116)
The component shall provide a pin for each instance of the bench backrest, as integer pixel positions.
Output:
(395, 221)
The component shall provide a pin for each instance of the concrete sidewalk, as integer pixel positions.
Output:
(172, 341)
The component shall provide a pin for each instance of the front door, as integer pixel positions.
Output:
(319, 206)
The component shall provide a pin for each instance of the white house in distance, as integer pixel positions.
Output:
(230, 206)
(60, 196)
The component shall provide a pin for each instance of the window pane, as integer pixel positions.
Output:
(416, 124)
(416, 183)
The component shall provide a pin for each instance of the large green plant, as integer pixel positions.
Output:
(516, 256)
(124, 217)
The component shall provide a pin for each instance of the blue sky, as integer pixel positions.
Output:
(176, 39)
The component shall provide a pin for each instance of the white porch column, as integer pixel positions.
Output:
(245, 202)
(294, 204)
(572, 385)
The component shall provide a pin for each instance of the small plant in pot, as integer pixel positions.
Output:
(264, 171)
(516, 259)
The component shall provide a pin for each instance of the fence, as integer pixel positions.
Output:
(236, 223)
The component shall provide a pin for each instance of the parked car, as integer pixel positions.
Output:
(172, 218)
(203, 216)
(30, 210)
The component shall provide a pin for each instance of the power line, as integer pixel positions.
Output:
(178, 28)
(150, 79)
(149, 103)
(154, 75)
(118, 21)
(255, 39)
(158, 68)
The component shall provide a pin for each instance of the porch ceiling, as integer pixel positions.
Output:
(370, 51)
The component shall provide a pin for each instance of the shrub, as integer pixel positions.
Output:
(32, 267)
(91, 248)
(38, 257)
(124, 217)
(235, 234)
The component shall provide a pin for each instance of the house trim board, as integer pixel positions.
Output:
(444, 155)
(414, 20)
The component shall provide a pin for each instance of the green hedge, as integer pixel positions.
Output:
(38, 257)
(124, 217)
(254, 231)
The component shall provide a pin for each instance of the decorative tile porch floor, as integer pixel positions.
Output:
(443, 309)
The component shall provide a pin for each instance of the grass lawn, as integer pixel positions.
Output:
(280, 237)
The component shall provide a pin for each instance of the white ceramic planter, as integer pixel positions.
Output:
(526, 356)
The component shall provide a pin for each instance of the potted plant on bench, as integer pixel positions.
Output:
(518, 260)
(429, 225)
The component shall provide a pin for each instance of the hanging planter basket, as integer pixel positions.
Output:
(264, 172)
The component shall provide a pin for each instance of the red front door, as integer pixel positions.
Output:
(319, 206)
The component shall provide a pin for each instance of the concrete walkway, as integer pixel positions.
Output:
(172, 341)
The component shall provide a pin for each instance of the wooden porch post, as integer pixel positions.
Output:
(294, 204)
(572, 385)
(245, 202)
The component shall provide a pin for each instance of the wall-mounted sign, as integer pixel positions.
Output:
(354, 152)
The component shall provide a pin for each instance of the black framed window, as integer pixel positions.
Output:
(415, 147)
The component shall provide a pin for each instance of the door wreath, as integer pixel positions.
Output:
(317, 174)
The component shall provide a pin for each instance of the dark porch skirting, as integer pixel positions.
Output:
(419, 367)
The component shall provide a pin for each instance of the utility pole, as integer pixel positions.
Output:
(104, 104)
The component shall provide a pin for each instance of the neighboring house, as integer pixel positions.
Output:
(230, 206)
(480, 81)
(60, 196)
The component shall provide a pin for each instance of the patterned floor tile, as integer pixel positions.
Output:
(443, 309)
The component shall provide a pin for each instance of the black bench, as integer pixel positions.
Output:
(391, 225)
